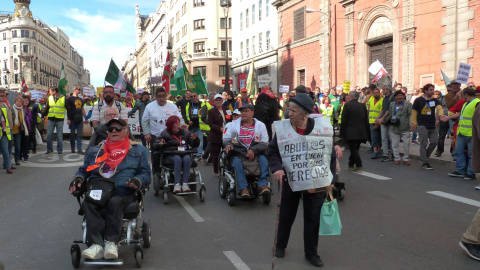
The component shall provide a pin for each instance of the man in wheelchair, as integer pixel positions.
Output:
(247, 138)
(111, 174)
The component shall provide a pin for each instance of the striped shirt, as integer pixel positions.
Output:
(246, 134)
(100, 115)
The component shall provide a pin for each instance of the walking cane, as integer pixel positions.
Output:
(276, 224)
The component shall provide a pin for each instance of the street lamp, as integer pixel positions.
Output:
(226, 4)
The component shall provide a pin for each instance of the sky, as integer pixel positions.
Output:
(98, 29)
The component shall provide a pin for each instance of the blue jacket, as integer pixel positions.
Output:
(135, 165)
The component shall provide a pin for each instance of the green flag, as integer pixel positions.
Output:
(199, 85)
(252, 80)
(179, 79)
(62, 83)
(184, 80)
(115, 78)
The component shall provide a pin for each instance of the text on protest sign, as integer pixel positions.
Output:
(463, 73)
(346, 86)
(283, 88)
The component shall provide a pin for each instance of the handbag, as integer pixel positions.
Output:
(330, 223)
(99, 190)
(38, 137)
(77, 118)
(251, 168)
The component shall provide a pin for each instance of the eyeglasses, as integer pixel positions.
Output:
(161, 96)
(112, 115)
(108, 93)
(117, 128)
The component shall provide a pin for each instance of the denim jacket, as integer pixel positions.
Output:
(134, 165)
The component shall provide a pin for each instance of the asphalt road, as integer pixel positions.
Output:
(387, 224)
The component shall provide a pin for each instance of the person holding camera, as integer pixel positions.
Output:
(399, 117)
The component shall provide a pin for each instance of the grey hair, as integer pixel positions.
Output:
(212, 96)
(300, 109)
(111, 109)
(354, 94)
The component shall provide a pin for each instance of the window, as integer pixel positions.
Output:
(178, 36)
(253, 14)
(34, 49)
(184, 30)
(246, 18)
(33, 35)
(222, 23)
(4, 36)
(171, 24)
(241, 50)
(199, 24)
(199, 47)
(14, 48)
(221, 71)
(24, 34)
(203, 70)
(16, 77)
(15, 64)
(197, 3)
(241, 22)
(301, 77)
(222, 45)
(177, 17)
(267, 7)
(247, 44)
(184, 49)
(262, 71)
(267, 41)
(25, 48)
(260, 50)
(259, 10)
(299, 24)
(253, 46)
(184, 9)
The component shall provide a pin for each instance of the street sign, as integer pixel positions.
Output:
(230, 81)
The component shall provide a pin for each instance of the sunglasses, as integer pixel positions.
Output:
(117, 128)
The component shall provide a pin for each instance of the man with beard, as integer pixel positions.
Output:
(99, 110)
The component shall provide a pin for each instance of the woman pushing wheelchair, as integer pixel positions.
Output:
(176, 139)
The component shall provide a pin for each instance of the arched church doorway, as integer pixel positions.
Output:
(380, 46)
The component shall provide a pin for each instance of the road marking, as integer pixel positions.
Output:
(189, 209)
(455, 198)
(236, 261)
(374, 176)
(50, 165)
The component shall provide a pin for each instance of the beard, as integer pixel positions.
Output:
(108, 99)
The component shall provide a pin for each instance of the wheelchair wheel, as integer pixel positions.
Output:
(138, 255)
(231, 197)
(267, 198)
(165, 197)
(75, 252)
(201, 194)
(222, 186)
(342, 194)
(146, 233)
(156, 184)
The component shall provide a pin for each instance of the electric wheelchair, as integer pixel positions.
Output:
(164, 178)
(227, 183)
(132, 233)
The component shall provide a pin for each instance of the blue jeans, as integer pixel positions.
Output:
(51, 125)
(464, 166)
(76, 131)
(200, 136)
(7, 164)
(180, 164)
(376, 136)
(242, 180)
(17, 144)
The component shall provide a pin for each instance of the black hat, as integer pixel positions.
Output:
(117, 120)
(300, 89)
(455, 82)
(246, 105)
(303, 100)
(398, 92)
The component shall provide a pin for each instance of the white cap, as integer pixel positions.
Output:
(218, 96)
(236, 111)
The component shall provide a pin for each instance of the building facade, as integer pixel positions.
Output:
(324, 42)
(31, 49)
(255, 36)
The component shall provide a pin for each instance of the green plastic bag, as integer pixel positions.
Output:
(330, 223)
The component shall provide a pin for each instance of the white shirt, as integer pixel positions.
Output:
(100, 115)
(155, 117)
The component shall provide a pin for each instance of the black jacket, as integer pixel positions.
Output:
(275, 160)
(172, 144)
(354, 121)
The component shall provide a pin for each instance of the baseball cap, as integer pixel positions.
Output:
(117, 120)
(218, 96)
(236, 111)
(244, 90)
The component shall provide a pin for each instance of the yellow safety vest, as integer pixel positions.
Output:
(340, 117)
(39, 119)
(9, 136)
(465, 123)
(327, 111)
(203, 126)
(374, 109)
(57, 109)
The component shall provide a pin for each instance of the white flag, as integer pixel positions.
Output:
(375, 67)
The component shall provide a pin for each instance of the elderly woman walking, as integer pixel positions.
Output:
(19, 129)
(320, 159)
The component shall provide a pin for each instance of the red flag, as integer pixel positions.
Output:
(380, 74)
(24, 86)
(166, 74)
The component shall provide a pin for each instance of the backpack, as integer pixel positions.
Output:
(118, 104)
(263, 111)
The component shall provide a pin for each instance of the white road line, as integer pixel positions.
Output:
(455, 198)
(374, 176)
(236, 261)
(189, 209)
(50, 165)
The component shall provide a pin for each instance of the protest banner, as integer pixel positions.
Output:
(463, 73)
(346, 86)
(283, 88)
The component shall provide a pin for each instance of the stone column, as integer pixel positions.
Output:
(349, 44)
(324, 41)
(408, 58)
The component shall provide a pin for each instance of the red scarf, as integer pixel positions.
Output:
(114, 153)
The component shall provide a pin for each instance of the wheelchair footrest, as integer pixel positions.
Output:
(184, 193)
(78, 241)
(103, 262)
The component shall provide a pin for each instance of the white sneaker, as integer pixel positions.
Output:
(185, 187)
(176, 188)
(94, 252)
(111, 251)
(477, 187)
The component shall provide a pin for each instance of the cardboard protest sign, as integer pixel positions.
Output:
(346, 86)
(283, 88)
(463, 73)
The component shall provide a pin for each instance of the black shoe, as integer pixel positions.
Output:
(48, 152)
(427, 166)
(73, 150)
(315, 260)
(456, 174)
(385, 159)
(472, 250)
(279, 252)
(469, 177)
